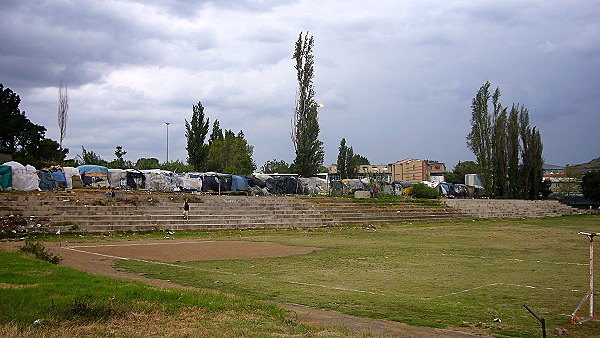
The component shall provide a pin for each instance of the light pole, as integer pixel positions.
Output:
(167, 123)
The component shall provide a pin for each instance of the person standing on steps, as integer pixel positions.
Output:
(186, 209)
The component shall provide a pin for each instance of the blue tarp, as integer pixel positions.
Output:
(59, 176)
(239, 183)
(92, 169)
(47, 181)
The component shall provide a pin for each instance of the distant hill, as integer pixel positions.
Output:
(579, 169)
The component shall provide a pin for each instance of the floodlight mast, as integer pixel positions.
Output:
(590, 294)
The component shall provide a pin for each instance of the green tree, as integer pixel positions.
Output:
(90, 157)
(22, 138)
(480, 138)
(16, 131)
(195, 132)
(499, 147)
(512, 146)
(457, 175)
(275, 167)
(305, 124)
(590, 185)
(119, 162)
(217, 132)
(231, 155)
(175, 166)
(361, 160)
(342, 159)
(147, 163)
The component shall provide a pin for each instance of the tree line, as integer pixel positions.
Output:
(507, 148)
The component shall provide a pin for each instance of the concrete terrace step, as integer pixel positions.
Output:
(93, 211)
(501, 208)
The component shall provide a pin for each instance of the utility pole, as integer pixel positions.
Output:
(167, 123)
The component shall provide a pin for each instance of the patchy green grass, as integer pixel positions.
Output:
(439, 275)
(41, 299)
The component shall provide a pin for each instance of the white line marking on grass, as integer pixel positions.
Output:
(222, 272)
(496, 284)
(507, 259)
(136, 244)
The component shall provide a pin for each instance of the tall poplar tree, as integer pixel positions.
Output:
(195, 132)
(512, 148)
(480, 138)
(499, 147)
(305, 124)
(342, 159)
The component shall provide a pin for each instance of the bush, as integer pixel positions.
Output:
(421, 190)
(40, 252)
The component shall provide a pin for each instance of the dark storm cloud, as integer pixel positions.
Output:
(396, 77)
(51, 41)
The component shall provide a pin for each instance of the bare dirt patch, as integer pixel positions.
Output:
(185, 251)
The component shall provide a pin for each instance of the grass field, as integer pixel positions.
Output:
(38, 299)
(440, 275)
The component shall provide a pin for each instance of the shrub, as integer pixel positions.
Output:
(421, 190)
(40, 252)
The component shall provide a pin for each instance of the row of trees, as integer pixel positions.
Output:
(498, 140)
(225, 151)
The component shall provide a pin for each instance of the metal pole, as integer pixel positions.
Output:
(591, 276)
(167, 123)
(541, 320)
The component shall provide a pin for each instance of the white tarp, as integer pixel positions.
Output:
(71, 172)
(314, 185)
(191, 181)
(161, 180)
(24, 177)
(117, 178)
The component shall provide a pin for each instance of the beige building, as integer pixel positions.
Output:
(414, 171)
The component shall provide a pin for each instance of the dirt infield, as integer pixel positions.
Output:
(185, 251)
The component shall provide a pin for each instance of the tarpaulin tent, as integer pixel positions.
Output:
(161, 180)
(285, 184)
(239, 183)
(95, 175)
(73, 177)
(216, 182)
(135, 179)
(117, 178)
(47, 181)
(190, 181)
(24, 177)
(59, 177)
(5, 177)
(313, 185)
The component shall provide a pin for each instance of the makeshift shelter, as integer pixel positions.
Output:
(354, 184)
(285, 184)
(72, 177)
(160, 180)
(135, 179)
(47, 181)
(239, 183)
(191, 181)
(254, 181)
(24, 177)
(94, 175)
(313, 185)
(216, 182)
(59, 177)
(5, 177)
(117, 178)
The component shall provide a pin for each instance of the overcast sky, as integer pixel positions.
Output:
(396, 77)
